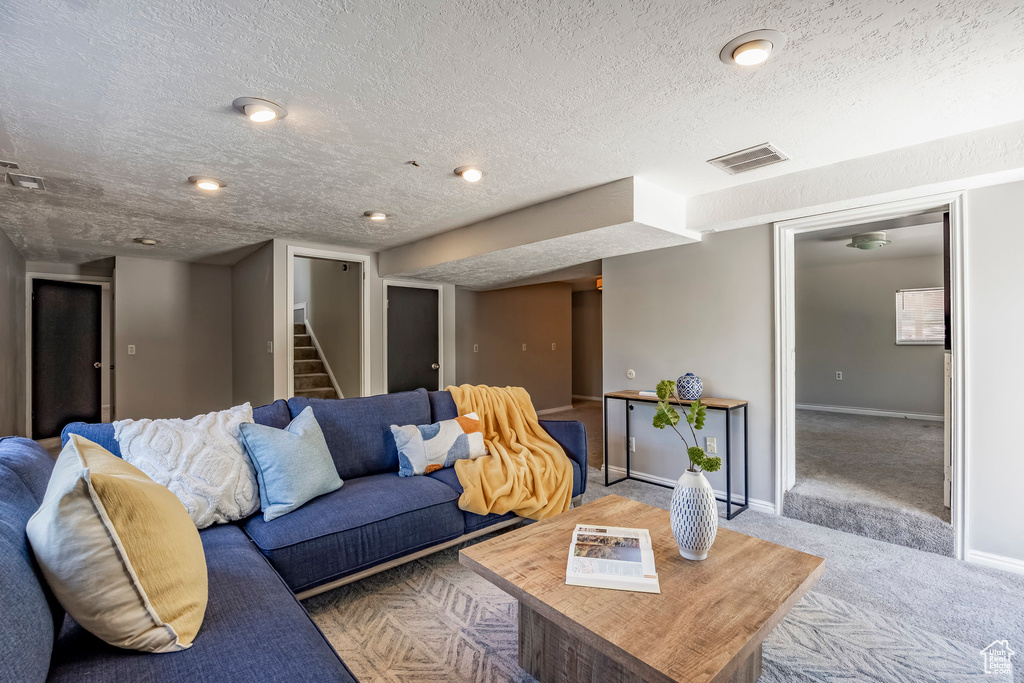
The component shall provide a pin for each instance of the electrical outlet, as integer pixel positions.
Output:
(632, 444)
(839, 375)
(553, 346)
(270, 347)
(131, 349)
(476, 348)
(712, 445)
(524, 347)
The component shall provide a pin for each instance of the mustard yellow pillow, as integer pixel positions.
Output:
(120, 552)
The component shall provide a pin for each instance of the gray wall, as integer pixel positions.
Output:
(333, 298)
(12, 339)
(995, 370)
(252, 326)
(500, 322)
(586, 343)
(178, 315)
(704, 308)
(846, 320)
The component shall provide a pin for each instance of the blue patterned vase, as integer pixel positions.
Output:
(694, 515)
(689, 387)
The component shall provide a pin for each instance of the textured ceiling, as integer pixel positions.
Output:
(116, 103)
(907, 242)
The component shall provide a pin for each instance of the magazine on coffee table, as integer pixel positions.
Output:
(612, 557)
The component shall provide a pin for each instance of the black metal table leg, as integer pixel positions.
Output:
(728, 463)
(606, 441)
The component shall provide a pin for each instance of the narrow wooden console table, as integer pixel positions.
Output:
(726, 405)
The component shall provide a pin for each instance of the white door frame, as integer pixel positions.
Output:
(389, 282)
(785, 339)
(107, 349)
(364, 326)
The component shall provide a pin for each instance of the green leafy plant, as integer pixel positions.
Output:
(695, 414)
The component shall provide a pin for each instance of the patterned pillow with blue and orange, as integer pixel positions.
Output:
(423, 449)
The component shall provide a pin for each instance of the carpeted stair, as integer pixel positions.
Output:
(311, 378)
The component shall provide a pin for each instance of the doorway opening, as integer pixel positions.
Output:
(69, 362)
(869, 337)
(326, 347)
(413, 341)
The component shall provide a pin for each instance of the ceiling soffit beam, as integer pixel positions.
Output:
(629, 202)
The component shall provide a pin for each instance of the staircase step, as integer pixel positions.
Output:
(308, 367)
(317, 393)
(303, 340)
(306, 353)
(300, 328)
(318, 380)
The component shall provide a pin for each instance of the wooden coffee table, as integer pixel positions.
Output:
(707, 624)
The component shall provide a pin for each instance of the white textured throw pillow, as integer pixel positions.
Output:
(202, 461)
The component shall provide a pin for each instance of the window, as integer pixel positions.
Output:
(920, 316)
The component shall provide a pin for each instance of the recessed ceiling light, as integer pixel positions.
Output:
(148, 241)
(206, 182)
(470, 174)
(375, 215)
(259, 110)
(752, 48)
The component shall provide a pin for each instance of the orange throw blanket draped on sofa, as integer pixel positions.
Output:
(527, 472)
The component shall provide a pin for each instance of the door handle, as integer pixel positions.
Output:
(97, 365)
(435, 366)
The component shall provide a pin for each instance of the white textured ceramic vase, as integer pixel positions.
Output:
(694, 515)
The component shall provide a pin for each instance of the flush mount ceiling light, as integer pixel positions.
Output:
(470, 174)
(752, 48)
(147, 241)
(206, 183)
(259, 110)
(375, 215)
(869, 240)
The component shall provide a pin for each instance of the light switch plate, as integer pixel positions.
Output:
(270, 347)
(524, 347)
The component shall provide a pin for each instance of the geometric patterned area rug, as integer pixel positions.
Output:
(433, 620)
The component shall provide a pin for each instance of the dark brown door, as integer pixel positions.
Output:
(414, 358)
(66, 353)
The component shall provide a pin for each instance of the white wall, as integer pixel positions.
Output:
(704, 308)
(252, 327)
(12, 339)
(995, 370)
(846, 321)
(375, 317)
(333, 297)
(178, 316)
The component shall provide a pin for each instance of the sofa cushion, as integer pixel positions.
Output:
(119, 551)
(442, 406)
(367, 521)
(100, 433)
(474, 521)
(254, 630)
(358, 430)
(29, 610)
(274, 414)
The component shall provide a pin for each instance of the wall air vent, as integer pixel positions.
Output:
(26, 182)
(748, 159)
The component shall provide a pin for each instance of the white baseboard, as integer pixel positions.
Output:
(758, 505)
(1007, 564)
(548, 411)
(870, 411)
(580, 397)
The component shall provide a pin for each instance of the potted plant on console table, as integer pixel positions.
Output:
(694, 511)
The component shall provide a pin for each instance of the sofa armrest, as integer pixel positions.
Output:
(571, 435)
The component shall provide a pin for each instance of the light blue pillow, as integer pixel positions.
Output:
(293, 465)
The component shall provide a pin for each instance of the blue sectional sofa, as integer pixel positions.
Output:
(255, 629)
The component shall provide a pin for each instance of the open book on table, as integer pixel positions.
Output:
(612, 557)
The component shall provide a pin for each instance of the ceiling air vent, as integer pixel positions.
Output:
(27, 182)
(748, 159)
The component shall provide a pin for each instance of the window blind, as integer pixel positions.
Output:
(920, 316)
